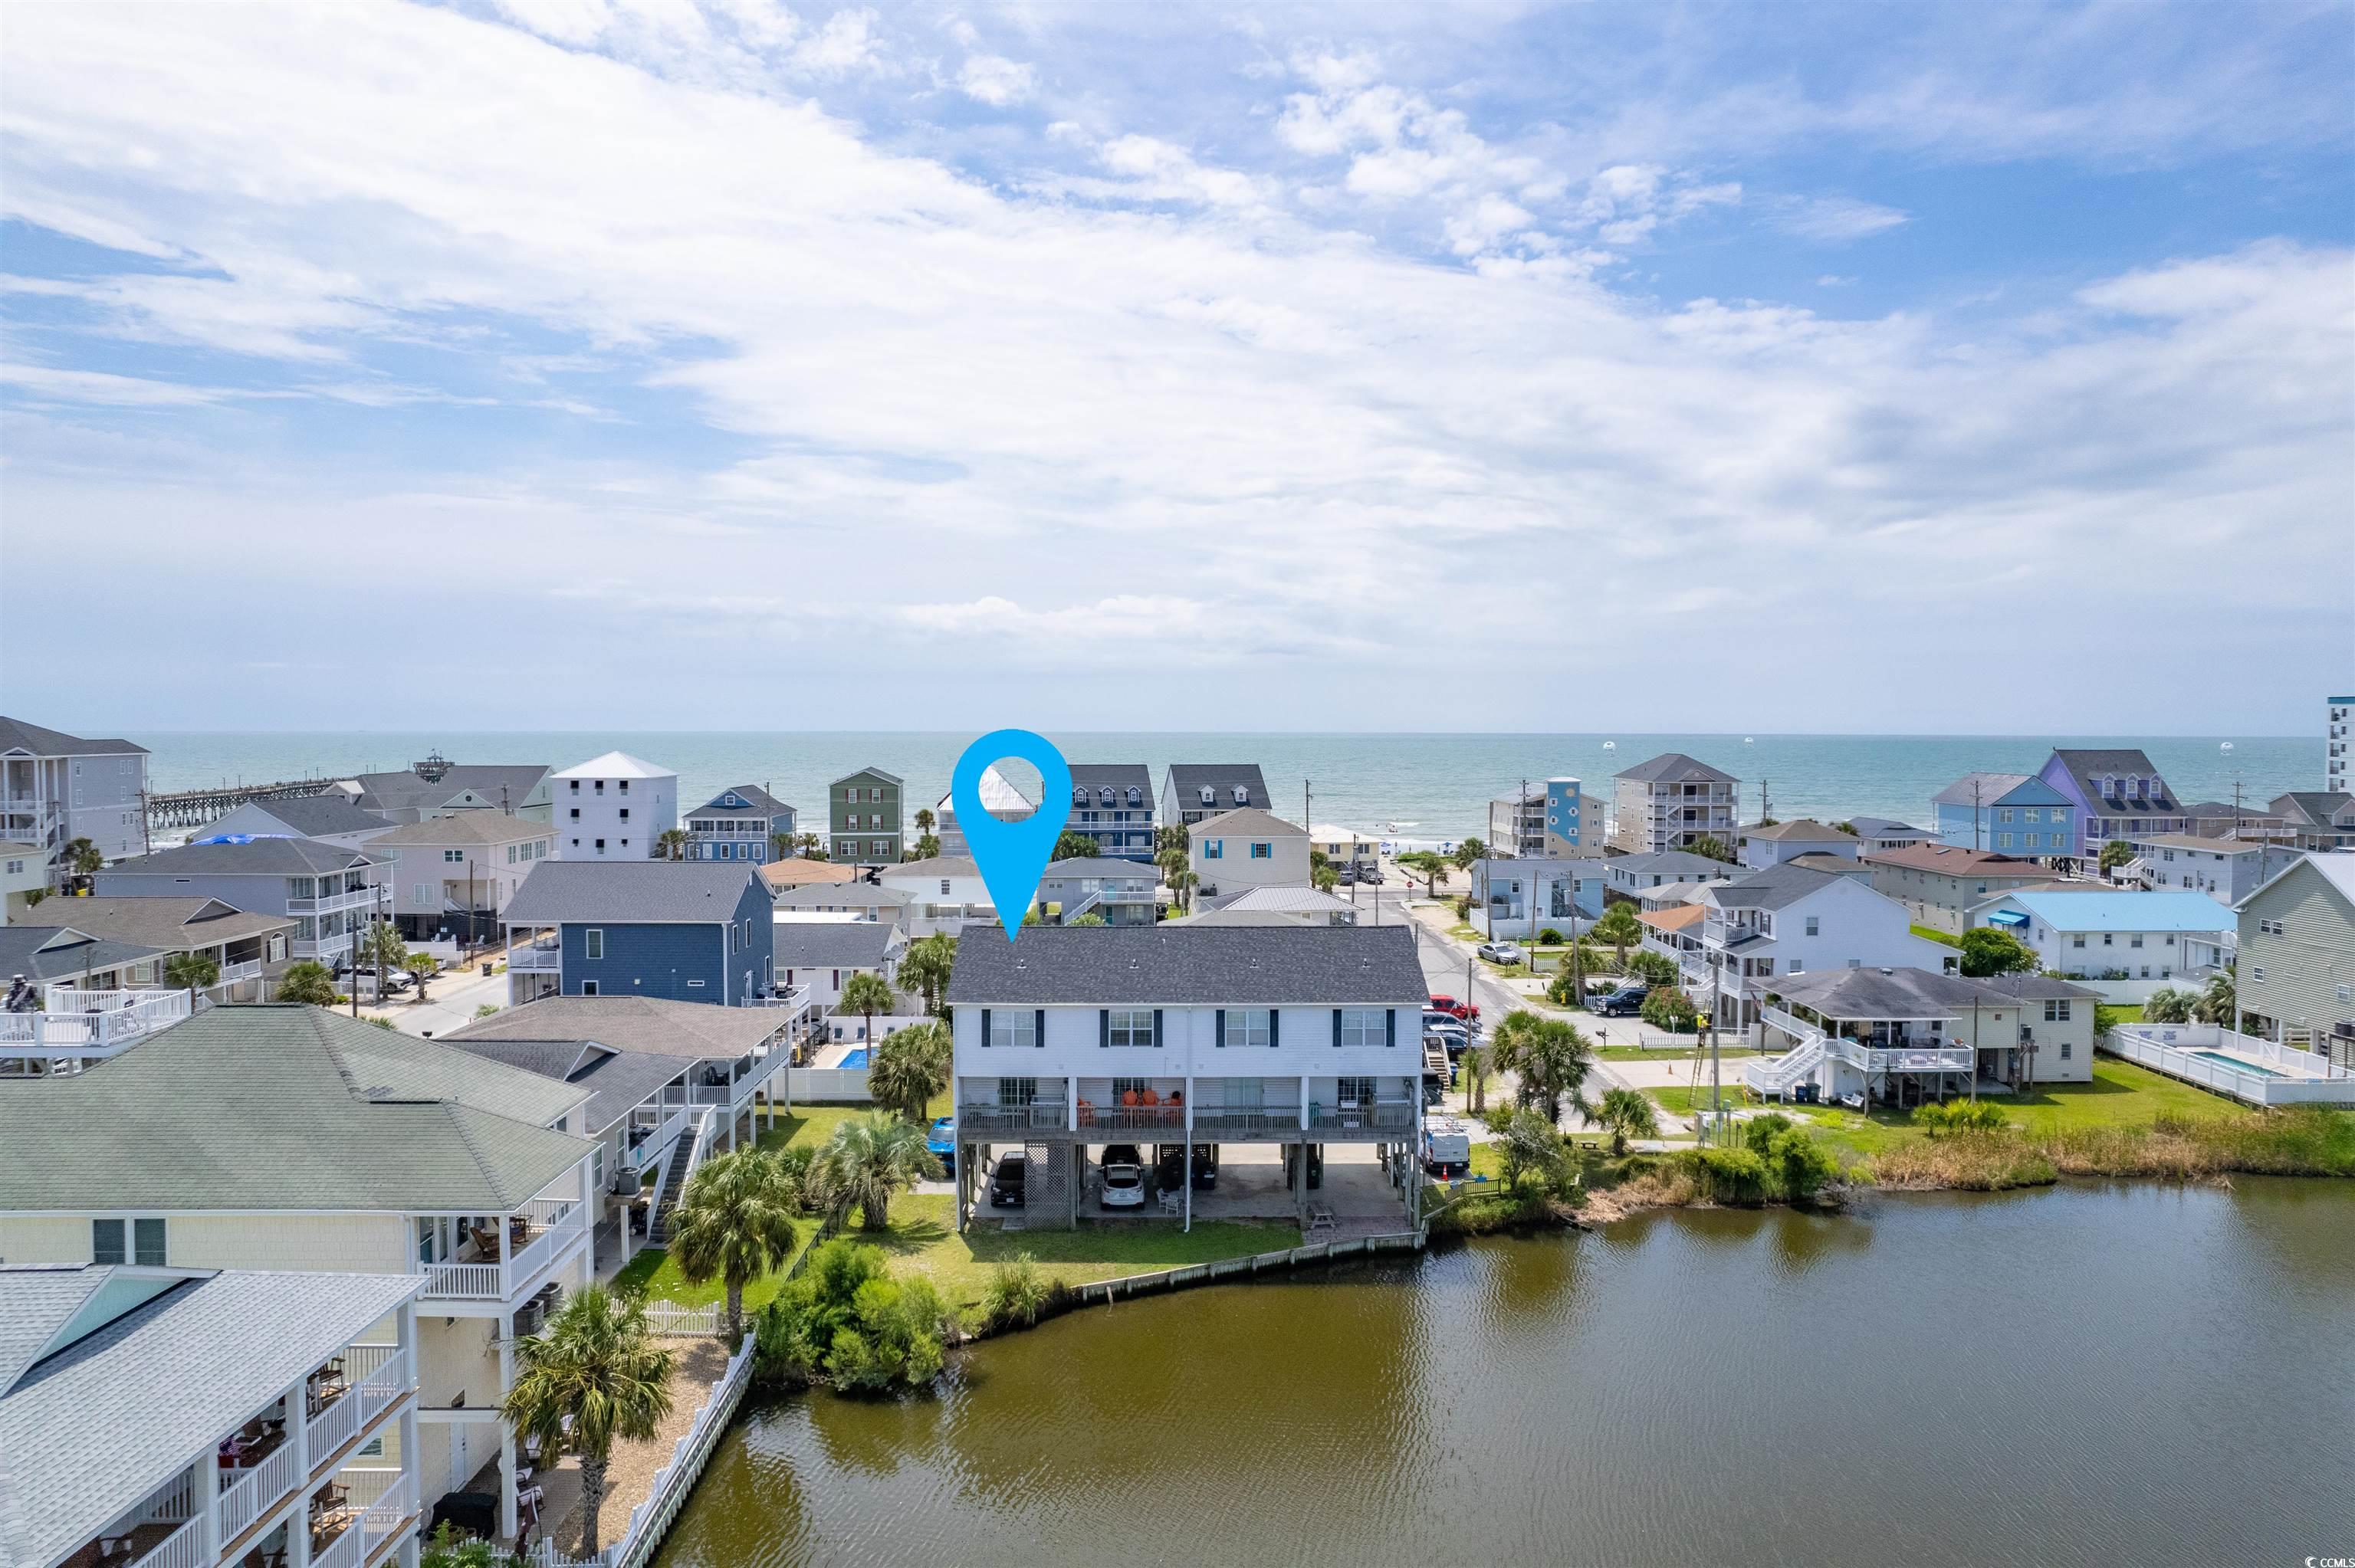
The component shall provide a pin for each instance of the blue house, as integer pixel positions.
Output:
(684, 931)
(1112, 805)
(2005, 814)
(739, 824)
(2114, 795)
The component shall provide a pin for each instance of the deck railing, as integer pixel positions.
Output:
(251, 1493)
(1390, 1117)
(658, 1141)
(490, 1281)
(1247, 1121)
(1046, 1116)
(184, 1548)
(92, 1020)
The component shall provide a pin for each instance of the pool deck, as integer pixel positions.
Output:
(2254, 1071)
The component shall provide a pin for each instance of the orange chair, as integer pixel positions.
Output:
(1128, 1097)
(1152, 1097)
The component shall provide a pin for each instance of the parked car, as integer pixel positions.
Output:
(1124, 1176)
(1169, 1166)
(1503, 952)
(1627, 1001)
(1446, 1148)
(1372, 874)
(1462, 1011)
(1348, 875)
(1447, 1032)
(1006, 1181)
(942, 1141)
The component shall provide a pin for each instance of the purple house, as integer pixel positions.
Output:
(2118, 795)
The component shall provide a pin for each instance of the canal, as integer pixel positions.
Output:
(2129, 1373)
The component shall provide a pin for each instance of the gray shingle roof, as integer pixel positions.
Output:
(1978, 788)
(871, 773)
(833, 944)
(844, 895)
(93, 1427)
(629, 892)
(165, 924)
(1192, 966)
(59, 952)
(269, 1108)
(16, 735)
(1247, 819)
(938, 866)
(1121, 776)
(1187, 779)
(1674, 765)
(615, 1080)
(1886, 828)
(1773, 887)
(753, 801)
(462, 828)
(261, 857)
(1666, 862)
(1099, 866)
(1805, 829)
(2088, 767)
(1953, 860)
(317, 816)
(1909, 993)
(405, 790)
(642, 1023)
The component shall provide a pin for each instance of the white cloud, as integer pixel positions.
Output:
(993, 80)
(867, 395)
(1834, 218)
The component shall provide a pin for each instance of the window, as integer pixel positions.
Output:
(1016, 1093)
(1261, 850)
(2003, 841)
(2136, 942)
(1213, 849)
(2064, 1048)
(597, 786)
(600, 846)
(944, 886)
(2004, 815)
(146, 1236)
(1358, 1026)
(592, 943)
(2056, 1010)
(2258, 974)
(1016, 1028)
(2078, 940)
(1249, 1026)
(625, 786)
(588, 987)
(424, 890)
(1798, 967)
(2107, 941)
(511, 854)
(625, 814)
(1128, 1026)
(1354, 1093)
(2270, 928)
(576, 785)
(2031, 815)
(453, 857)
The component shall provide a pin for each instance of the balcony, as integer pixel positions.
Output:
(1040, 1115)
(1248, 1121)
(1382, 1117)
(90, 1023)
(1899, 1054)
(543, 956)
(537, 1238)
(347, 1532)
(328, 904)
(648, 1144)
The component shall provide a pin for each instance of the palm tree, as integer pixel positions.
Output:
(382, 946)
(1431, 865)
(868, 1159)
(595, 1373)
(925, 969)
(781, 846)
(1629, 1114)
(813, 847)
(308, 981)
(671, 843)
(424, 967)
(2218, 1001)
(1072, 844)
(910, 1066)
(82, 860)
(1473, 1065)
(1182, 882)
(1619, 927)
(1555, 1060)
(1468, 852)
(867, 993)
(927, 846)
(735, 1224)
(194, 971)
(924, 818)
(1173, 838)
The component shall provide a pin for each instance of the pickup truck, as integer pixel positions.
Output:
(1462, 1011)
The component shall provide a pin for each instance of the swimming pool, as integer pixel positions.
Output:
(2239, 1065)
(854, 1059)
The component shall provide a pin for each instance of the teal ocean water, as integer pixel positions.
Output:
(1441, 783)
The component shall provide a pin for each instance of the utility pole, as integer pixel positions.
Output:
(1976, 815)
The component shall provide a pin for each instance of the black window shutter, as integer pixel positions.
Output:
(1389, 1027)
(1223, 1028)
(1275, 1017)
(1157, 1029)
(1103, 1027)
(1038, 1028)
(1336, 1028)
(985, 1026)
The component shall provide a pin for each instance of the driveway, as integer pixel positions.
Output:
(454, 997)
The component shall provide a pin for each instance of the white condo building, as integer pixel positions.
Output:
(614, 807)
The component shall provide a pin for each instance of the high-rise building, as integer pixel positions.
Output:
(2337, 777)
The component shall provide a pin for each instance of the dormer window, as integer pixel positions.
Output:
(1242, 795)
(2109, 787)
(1106, 794)
(1135, 796)
(1080, 795)
(1210, 796)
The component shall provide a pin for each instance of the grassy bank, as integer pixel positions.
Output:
(1932, 934)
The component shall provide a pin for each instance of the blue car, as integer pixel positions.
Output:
(942, 1141)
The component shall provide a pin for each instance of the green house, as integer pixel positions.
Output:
(863, 818)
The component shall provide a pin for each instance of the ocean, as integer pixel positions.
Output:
(1438, 783)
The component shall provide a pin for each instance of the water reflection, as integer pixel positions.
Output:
(2038, 1379)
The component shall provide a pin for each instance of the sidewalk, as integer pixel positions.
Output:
(453, 997)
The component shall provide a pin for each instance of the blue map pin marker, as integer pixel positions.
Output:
(1012, 855)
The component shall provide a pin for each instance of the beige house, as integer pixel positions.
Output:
(249, 951)
(1940, 884)
(289, 1137)
(1246, 848)
(451, 872)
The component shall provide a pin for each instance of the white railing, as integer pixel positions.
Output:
(543, 957)
(462, 1282)
(2176, 1050)
(256, 1491)
(564, 1225)
(1934, 1055)
(184, 1548)
(82, 1020)
(381, 1388)
(348, 1549)
(1780, 1074)
(333, 1427)
(392, 1508)
(657, 1142)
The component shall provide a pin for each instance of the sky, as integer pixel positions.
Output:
(662, 365)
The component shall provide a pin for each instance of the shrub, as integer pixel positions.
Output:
(1655, 968)
(1016, 1291)
(487, 1009)
(1530, 1145)
(1940, 1119)
(1669, 1008)
(1549, 937)
(448, 1548)
(897, 1339)
(1796, 1166)
(1562, 993)
(1728, 1175)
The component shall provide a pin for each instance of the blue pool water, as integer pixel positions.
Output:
(2236, 1064)
(855, 1059)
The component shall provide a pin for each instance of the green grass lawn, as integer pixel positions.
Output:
(652, 1272)
(1932, 934)
(2121, 1094)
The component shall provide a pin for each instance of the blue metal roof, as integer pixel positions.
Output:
(2115, 911)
